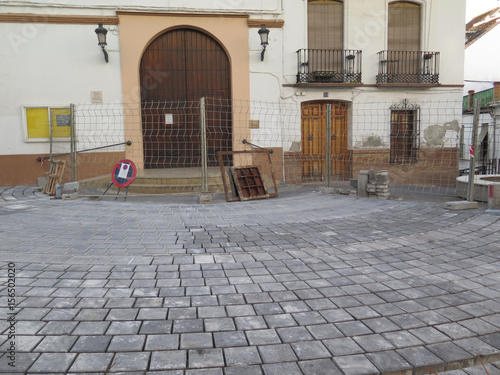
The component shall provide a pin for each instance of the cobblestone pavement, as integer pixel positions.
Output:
(306, 283)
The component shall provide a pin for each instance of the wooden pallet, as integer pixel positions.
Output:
(54, 176)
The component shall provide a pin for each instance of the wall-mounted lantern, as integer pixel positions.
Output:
(264, 40)
(101, 37)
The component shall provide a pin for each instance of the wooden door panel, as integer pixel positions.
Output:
(177, 69)
(314, 142)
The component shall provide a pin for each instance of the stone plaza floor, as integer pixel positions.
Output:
(305, 283)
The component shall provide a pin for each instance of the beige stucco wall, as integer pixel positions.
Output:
(137, 30)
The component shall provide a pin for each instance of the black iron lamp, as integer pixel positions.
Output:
(264, 40)
(101, 37)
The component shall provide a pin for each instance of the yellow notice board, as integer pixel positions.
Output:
(39, 119)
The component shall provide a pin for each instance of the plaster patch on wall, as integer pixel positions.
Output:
(371, 141)
(295, 147)
(435, 135)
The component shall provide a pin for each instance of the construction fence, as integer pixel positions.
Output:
(179, 146)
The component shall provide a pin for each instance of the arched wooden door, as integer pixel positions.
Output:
(315, 138)
(177, 69)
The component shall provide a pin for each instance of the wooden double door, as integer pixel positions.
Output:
(177, 69)
(324, 149)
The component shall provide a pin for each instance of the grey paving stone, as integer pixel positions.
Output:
(187, 326)
(212, 312)
(56, 344)
(429, 335)
(88, 362)
(91, 344)
(263, 337)
(356, 364)
(250, 322)
(132, 361)
(92, 314)
(123, 328)
(353, 328)
(455, 330)
(373, 343)
(156, 327)
(208, 371)
(268, 308)
(402, 339)
(390, 361)
(279, 320)
(477, 346)
(182, 313)
(52, 362)
(282, 368)
(453, 355)
(58, 328)
(122, 314)
(242, 356)
(203, 358)
(127, 343)
(479, 326)
(343, 346)
(23, 362)
(243, 370)
(422, 358)
(277, 353)
(336, 315)
(310, 350)
(219, 324)
(294, 334)
(230, 339)
(319, 367)
(196, 340)
(162, 342)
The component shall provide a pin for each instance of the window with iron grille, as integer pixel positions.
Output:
(405, 134)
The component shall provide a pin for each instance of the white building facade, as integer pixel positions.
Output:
(390, 71)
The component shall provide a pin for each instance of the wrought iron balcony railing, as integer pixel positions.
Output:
(408, 67)
(328, 66)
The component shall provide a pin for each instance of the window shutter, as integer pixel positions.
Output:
(325, 24)
(404, 26)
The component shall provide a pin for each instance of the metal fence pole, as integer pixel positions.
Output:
(204, 167)
(328, 143)
(472, 163)
(73, 143)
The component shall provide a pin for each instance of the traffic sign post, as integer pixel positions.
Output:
(123, 175)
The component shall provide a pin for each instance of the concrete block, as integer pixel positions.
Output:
(494, 197)
(362, 184)
(70, 187)
(42, 181)
(326, 190)
(205, 198)
(70, 196)
(461, 205)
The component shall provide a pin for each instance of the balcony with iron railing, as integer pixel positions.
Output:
(328, 66)
(408, 67)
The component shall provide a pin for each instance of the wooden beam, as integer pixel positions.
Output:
(269, 23)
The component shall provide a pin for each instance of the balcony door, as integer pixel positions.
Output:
(325, 33)
(403, 60)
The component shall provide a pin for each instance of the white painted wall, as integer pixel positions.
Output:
(49, 64)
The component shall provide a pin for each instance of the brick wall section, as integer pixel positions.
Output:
(435, 167)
